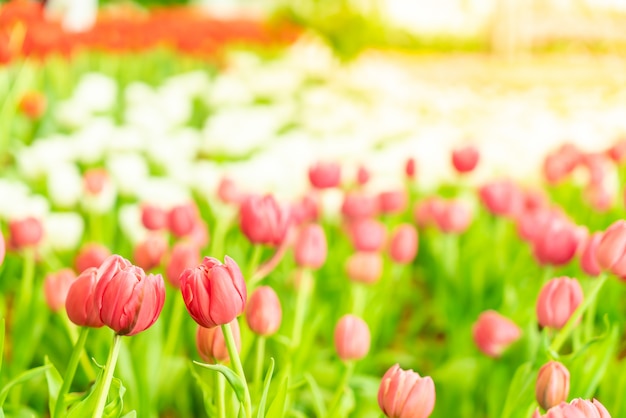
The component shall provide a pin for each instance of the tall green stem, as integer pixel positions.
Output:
(345, 377)
(259, 360)
(175, 324)
(359, 298)
(304, 289)
(220, 386)
(565, 332)
(84, 360)
(255, 260)
(59, 409)
(28, 275)
(109, 368)
(236, 362)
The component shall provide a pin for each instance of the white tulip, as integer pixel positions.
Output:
(65, 185)
(64, 231)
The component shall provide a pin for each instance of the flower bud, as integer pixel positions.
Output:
(405, 394)
(150, 251)
(557, 242)
(465, 159)
(305, 210)
(559, 164)
(562, 410)
(452, 217)
(362, 176)
(263, 221)
(557, 301)
(617, 152)
(358, 205)
(365, 267)
(352, 338)
(153, 217)
(552, 385)
(181, 219)
(404, 243)
(591, 409)
(33, 104)
(185, 255)
(56, 286)
(214, 293)
(368, 234)
(130, 301)
(393, 201)
(325, 175)
(264, 313)
(3, 248)
(410, 168)
(25, 232)
(611, 252)
(310, 247)
(493, 333)
(228, 192)
(91, 255)
(95, 180)
(588, 262)
(80, 302)
(502, 198)
(211, 344)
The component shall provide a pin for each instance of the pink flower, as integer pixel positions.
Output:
(552, 385)
(154, 218)
(364, 267)
(214, 293)
(357, 205)
(80, 303)
(368, 234)
(591, 409)
(95, 180)
(25, 232)
(211, 344)
(405, 394)
(228, 192)
(464, 159)
(392, 201)
(410, 168)
(362, 176)
(452, 217)
(181, 219)
(502, 198)
(493, 333)
(310, 248)
(263, 221)
(588, 262)
(56, 286)
(3, 248)
(325, 175)
(611, 251)
(352, 338)
(91, 255)
(185, 255)
(148, 253)
(557, 242)
(404, 243)
(264, 313)
(557, 301)
(559, 164)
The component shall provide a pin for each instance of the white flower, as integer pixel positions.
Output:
(91, 141)
(72, 114)
(96, 92)
(65, 185)
(64, 231)
(130, 223)
(229, 89)
(162, 191)
(128, 172)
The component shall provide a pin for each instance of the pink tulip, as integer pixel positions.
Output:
(185, 255)
(465, 159)
(56, 286)
(3, 248)
(228, 192)
(493, 333)
(368, 234)
(557, 301)
(263, 221)
(364, 267)
(264, 313)
(214, 293)
(588, 262)
(362, 176)
(153, 218)
(591, 409)
(352, 338)
(149, 253)
(95, 180)
(410, 168)
(305, 210)
(552, 386)
(577, 408)
(557, 242)
(310, 248)
(211, 344)
(181, 219)
(562, 410)
(405, 394)
(452, 217)
(611, 251)
(358, 205)
(393, 201)
(25, 232)
(559, 164)
(325, 175)
(80, 302)
(617, 152)
(404, 243)
(91, 255)
(502, 198)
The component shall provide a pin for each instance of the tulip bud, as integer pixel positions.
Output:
(91, 255)
(130, 301)
(588, 262)
(591, 409)
(263, 221)
(95, 180)
(364, 267)
(33, 104)
(149, 252)
(153, 217)
(557, 243)
(228, 192)
(181, 219)
(359, 205)
(185, 255)
(80, 303)
(368, 234)
(362, 176)
(611, 252)
(562, 410)
(465, 159)
(617, 152)
(427, 211)
(393, 201)
(452, 217)
(557, 301)
(3, 248)
(493, 333)
(502, 198)
(559, 164)
(25, 232)
(310, 247)
(211, 344)
(405, 394)
(552, 385)
(264, 313)
(409, 168)
(532, 223)
(56, 286)
(305, 210)
(404, 243)
(325, 175)
(214, 293)
(352, 338)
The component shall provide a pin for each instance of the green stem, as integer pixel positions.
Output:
(590, 319)
(345, 377)
(108, 376)
(258, 363)
(255, 260)
(95, 226)
(175, 324)
(236, 362)
(301, 304)
(84, 360)
(219, 383)
(28, 275)
(359, 297)
(59, 409)
(565, 332)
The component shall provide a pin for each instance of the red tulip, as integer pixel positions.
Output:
(465, 159)
(214, 293)
(310, 248)
(185, 255)
(325, 175)
(588, 262)
(91, 255)
(264, 313)
(557, 301)
(410, 168)
(357, 205)
(56, 286)
(153, 217)
(352, 338)
(211, 344)
(405, 394)
(552, 385)
(493, 333)
(557, 243)
(368, 234)
(25, 232)
(80, 302)
(263, 221)
(393, 201)
(404, 243)
(149, 252)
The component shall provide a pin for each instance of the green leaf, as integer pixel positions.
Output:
(131, 414)
(520, 396)
(113, 408)
(54, 380)
(208, 393)
(23, 377)
(115, 405)
(278, 406)
(233, 379)
(2, 330)
(266, 388)
(318, 399)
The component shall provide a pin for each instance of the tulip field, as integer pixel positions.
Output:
(223, 219)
